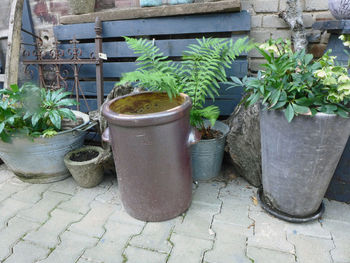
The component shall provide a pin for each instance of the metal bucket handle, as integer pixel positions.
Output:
(193, 137)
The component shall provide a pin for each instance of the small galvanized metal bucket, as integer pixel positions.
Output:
(207, 155)
(150, 137)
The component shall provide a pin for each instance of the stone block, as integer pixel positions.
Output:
(264, 6)
(134, 255)
(188, 249)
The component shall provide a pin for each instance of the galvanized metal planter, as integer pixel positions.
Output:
(150, 138)
(299, 159)
(41, 160)
(207, 155)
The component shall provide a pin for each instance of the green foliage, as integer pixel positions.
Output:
(31, 111)
(197, 75)
(295, 83)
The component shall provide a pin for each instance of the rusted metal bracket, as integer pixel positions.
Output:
(67, 63)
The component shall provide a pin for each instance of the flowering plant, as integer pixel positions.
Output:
(296, 83)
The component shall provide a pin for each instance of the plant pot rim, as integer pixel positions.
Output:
(137, 120)
(84, 116)
(68, 161)
(317, 115)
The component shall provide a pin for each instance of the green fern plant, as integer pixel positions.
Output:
(197, 75)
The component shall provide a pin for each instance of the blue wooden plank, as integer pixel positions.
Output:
(208, 23)
(89, 89)
(119, 49)
(239, 69)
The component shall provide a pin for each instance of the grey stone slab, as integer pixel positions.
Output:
(121, 216)
(207, 193)
(135, 255)
(188, 249)
(71, 248)
(66, 186)
(32, 193)
(105, 252)
(47, 235)
(238, 189)
(336, 211)
(262, 255)
(9, 208)
(234, 214)
(5, 174)
(116, 231)
(155, 236)
(40, 211)
(230, 243)
(10, 235)
(111, 196)
(80, 202)
(312, 249)
(197, 221)
(25, 252)
(93, 222)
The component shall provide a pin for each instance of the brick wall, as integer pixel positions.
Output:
(265, 21)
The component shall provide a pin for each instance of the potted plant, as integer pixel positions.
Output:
(198, 75)
(33, 138)
(303, 127)
(85, 165)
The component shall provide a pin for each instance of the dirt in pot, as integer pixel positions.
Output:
(84, 156)
(208, 133)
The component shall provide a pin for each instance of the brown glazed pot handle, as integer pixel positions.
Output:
(106, 136)
(194, 136)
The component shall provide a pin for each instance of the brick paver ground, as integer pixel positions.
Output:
(63, 223)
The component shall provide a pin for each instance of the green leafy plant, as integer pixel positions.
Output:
(297, 84)
(197, 75)
(32, 111)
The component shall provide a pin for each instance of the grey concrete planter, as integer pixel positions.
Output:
(299, 159)
(82, 6)
(207, 155)
(88, 173)
(41, 160)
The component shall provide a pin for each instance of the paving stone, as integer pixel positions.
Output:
(39, 212)
(134, 255)
(239, 189)
(270, 233)
(47, 234)
(155, 236)
(80, 202)
(16, 229)
(8, 189)
(111, 196)
(92, 223)
(106, 252)
(109, 180)
(188, 249)
(207, 193)
(121, 216)
(312, 229)
(70, 249)
(341, 238)
(32, 193)
(336, 211)
(112, 245)
(197, 221)
(9, 208)
(261, 255)
(230, 244)
(5, 174)
(311, 249)
(25, 252)
(66, 186)
(235, 214)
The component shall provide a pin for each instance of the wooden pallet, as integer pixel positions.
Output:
(171, 34)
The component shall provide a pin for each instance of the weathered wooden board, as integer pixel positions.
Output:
(157, 11)
(119, 49)
(209, 23)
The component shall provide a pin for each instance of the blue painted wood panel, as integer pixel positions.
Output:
(119, 49)
(208, 23)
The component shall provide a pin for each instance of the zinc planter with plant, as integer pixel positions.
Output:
(150, 132)
(304, 127)
(198, 75)
(37, 130)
